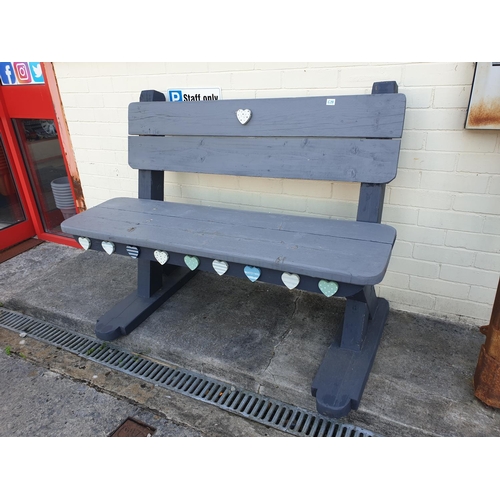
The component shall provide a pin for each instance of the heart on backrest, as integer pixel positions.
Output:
(243, 115)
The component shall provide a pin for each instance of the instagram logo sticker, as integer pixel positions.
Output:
(22, 72)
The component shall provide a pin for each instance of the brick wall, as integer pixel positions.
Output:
(444, 202)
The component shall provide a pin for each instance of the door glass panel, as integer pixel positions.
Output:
(47, 172)
(11, 210)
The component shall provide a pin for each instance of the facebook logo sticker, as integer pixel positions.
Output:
(7, 73)
(175, 95)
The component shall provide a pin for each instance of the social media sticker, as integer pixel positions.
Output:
(36, 72)
(23, 73)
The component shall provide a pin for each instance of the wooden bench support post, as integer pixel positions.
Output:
(343, 373)
(136, 307)
(155, 283)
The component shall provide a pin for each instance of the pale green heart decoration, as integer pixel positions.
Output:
(191, 262)
(329, 288)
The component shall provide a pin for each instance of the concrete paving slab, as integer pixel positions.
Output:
(266, 339)
(37, 402)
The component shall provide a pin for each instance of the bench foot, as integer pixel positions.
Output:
(342, 376)
(134, 309)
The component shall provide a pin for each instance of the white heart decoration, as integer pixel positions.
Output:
(220, 266)
(161, 256)
(109, 247)
(290, 280)
(85, 242)
(243, 115)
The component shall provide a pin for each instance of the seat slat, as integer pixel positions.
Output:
(361, 116)
(350, 160)
(321, 248)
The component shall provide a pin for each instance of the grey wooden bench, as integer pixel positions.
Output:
(342, 138)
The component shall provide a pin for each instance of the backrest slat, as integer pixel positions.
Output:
(354, 160)
(356, 116)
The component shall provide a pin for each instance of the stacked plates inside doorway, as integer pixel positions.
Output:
(63, 196)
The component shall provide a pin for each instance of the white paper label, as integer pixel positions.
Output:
(330, 102)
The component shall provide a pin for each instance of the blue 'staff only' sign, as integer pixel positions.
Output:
(206, 94)
(21, 73)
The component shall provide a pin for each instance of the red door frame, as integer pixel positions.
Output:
(22, 230)
(38, 101)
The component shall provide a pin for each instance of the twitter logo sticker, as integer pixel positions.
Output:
(36, 72)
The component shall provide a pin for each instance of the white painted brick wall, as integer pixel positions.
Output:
(444, 203)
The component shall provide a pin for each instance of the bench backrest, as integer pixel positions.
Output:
(351, 138)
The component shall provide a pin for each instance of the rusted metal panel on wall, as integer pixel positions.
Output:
(484, 105)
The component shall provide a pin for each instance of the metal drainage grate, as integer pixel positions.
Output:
(264, 410)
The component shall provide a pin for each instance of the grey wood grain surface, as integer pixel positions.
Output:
(347, 251)
(362, 116)
(355, 160)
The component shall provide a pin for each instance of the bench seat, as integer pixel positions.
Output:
(345, 251)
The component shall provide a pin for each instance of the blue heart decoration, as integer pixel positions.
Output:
(252, 273)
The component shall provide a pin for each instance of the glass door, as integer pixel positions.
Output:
(44, 161)
(15, 225)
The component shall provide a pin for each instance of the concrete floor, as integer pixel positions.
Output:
(258, 337)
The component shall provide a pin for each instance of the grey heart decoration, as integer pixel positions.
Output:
(161, 256)
(84, 242)
(109, 247)
(243, 115)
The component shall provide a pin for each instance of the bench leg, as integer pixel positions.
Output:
(343, 373)
(155, 284)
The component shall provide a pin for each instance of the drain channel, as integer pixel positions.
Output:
(264, 410)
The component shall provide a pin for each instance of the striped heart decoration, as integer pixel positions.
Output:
(252, 273)
(133, 251)
(220, 267)
(290, 280)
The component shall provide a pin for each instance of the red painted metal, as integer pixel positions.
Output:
(35, 102)
(65, 139)
(28, 101)
(25, 229)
